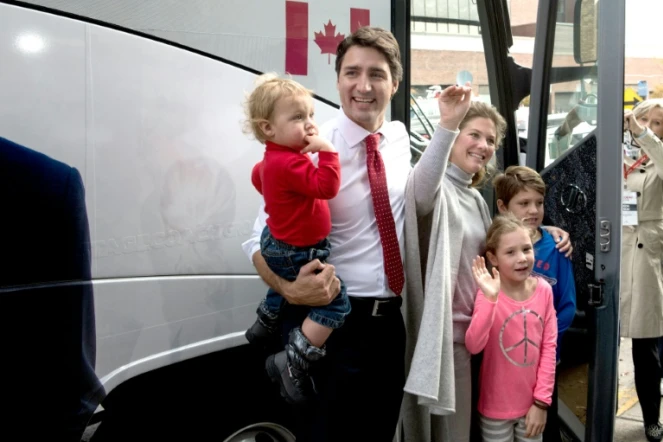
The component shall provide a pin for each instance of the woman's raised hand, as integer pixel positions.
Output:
(489, 285)
(454, 103)
(631, 123)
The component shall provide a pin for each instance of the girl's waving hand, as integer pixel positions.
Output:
(489, 285)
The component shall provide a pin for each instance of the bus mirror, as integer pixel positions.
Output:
(585, 31)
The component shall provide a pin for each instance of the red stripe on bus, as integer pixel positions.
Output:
(359, 18)
(296, 38)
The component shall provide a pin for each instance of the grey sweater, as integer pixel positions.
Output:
(434, 235)
(473, 244)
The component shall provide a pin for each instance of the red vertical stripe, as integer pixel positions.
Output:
(296, 38)
(359, 18)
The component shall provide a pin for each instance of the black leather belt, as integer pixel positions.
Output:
(376, 306)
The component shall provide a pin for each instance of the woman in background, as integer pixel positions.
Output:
(641, 295)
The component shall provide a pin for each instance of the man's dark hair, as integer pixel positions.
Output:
(377, 38)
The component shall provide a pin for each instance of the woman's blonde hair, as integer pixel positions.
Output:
(480, 109)
(647, 106)
(260, 104)
(503, 224)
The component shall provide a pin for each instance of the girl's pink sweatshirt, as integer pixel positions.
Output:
(518, 339)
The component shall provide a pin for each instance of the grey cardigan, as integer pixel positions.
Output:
(433, 238)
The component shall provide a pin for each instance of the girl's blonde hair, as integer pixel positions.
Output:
(480, 109)
(260, 104)
(503, 224)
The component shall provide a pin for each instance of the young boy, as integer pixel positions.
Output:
(520, 190)
(280, 115)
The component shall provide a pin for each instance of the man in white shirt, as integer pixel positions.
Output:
(360, 382)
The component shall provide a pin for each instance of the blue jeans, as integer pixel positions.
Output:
(285, 260)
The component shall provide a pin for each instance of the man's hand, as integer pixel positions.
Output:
(562, 239)
(312, 288)
(316, 143)
(454, 102)
(535, 421)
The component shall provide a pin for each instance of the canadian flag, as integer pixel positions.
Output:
(297, 35)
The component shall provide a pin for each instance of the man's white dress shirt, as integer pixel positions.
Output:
(355, 240)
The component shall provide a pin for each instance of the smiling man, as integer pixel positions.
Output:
(360, 383)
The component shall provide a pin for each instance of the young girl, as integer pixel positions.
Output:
(514, 324)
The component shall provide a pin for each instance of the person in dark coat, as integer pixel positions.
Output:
(49, 386)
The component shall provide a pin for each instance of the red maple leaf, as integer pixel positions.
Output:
(327, 41)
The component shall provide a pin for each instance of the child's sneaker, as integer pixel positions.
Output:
(265, 333)
(291, 368)
(654, 432)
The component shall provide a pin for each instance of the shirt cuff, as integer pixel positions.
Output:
(455, 132)
(642, 135)
(250, 247)
(545, 401)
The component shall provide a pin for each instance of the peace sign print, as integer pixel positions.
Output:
(525, 349)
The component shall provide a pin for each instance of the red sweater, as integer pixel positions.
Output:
(295, 193)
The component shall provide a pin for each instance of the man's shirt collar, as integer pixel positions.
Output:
(354, 134)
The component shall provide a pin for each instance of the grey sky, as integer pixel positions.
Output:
(643, 24)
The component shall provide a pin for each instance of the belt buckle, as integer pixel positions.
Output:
(376, 306)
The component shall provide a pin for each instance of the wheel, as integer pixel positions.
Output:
(262, 432)
(224, 396)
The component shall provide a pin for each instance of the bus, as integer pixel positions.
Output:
(141, 103)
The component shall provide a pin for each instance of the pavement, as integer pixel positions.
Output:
(628, 423)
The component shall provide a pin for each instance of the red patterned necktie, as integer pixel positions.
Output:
(377, 178)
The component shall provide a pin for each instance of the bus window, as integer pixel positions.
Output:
(522, 16)
(573, 101)
(572, 116)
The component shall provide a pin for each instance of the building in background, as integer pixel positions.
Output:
(446, 39)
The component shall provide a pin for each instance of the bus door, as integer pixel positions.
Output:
(574, 140)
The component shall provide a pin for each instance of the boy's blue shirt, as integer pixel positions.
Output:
(554, 267)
